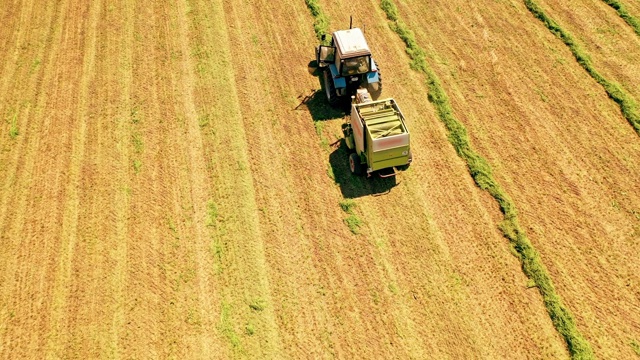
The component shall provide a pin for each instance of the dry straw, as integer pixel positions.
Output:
(480, 170)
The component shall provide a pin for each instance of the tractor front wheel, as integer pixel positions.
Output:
(354, 164)
(375, 89)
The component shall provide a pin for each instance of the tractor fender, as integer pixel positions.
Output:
(338, 81)
(372, 77)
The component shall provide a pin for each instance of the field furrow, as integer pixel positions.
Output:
(30, 222)
(438, 167)
(622, 11)
(73, 122)
(235, 244)
(554, 139)
(480, 170)
(174, 184)
(627, 104)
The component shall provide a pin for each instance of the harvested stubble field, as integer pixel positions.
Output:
(170, 185)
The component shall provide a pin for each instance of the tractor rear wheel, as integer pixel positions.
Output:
(329, 88)
(375, 89)
(354, 164)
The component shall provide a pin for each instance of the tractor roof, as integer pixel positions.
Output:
(351, 42)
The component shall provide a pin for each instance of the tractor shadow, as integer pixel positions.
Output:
(353, 186)
(317, 103)
(319, 107)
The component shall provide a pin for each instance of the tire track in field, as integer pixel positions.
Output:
(616, 93)
(399, 321)
(482, 175)
(185, 311)
(92, 300)
(11, 93)
(10, 19)
(91, 297)
(341, 269)
(151, 297)
(237, 247)
(14, 149)
(69, 232)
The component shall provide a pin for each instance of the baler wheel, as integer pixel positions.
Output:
(354, 164)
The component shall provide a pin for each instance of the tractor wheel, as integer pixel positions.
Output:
(354, 164)
(375, 89)
(329, 88)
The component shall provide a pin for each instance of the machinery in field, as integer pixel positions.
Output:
(347, 65)
(375, 132)
(376, 135)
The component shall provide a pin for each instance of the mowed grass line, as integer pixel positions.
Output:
(627, 105)
(236, 244)
(624, 14)
(481, 173)
(321, 22)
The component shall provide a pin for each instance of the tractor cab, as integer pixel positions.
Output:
(348, 65)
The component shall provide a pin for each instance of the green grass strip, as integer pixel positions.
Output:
(615, 92)
(635, 346)
(321, 23)
(481, 173)
(624, 14)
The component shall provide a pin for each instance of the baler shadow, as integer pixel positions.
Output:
(353, 186)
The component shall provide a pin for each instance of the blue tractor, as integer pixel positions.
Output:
(347, 65)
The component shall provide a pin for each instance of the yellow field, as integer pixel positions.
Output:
(171, 184)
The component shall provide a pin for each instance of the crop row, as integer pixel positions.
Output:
(627, 105)
(321, 22)
(481, 173)
(624, 14)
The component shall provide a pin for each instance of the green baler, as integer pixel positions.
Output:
(377, 135)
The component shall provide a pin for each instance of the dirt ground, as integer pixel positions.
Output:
(171, 180)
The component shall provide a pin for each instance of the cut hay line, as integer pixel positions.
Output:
(615, 92)
(321, 23)
(481, 173)
(13, 130)
(235, 248)
(624, 14)
(635, 346)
